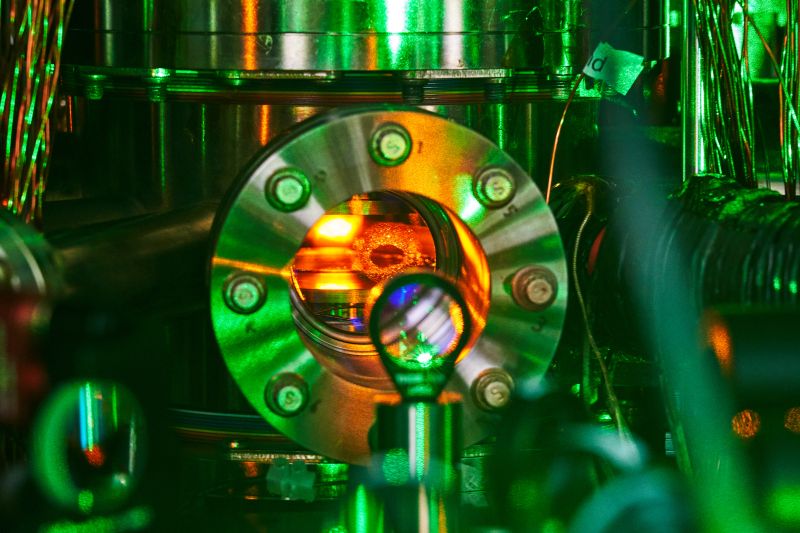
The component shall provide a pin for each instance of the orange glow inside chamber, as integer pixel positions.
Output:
(370, 238)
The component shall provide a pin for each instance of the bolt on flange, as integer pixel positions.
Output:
(286, 394)
(390, 145)
(288, 190)
(244, 293)
(534, 288)
(493, 389)
(494, 187)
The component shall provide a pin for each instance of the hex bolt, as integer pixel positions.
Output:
(534, 288)
(494, 187)
(244, 293)
(390, 145)
(493, 389)
(286, 394)
(288, 189)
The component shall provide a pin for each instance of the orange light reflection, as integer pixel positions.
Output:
(792, 420)
(250, 23)
(746, 424)
(720, 340)
(340, 228)
(251, 267)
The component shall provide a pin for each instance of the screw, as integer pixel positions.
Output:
(288, 190)
(492, 390)
(244, 293)
(494, 187)
(390, 145)
(286, 394)
(534, 288)
(94, 86)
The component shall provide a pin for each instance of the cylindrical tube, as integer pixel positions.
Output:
(416, 448)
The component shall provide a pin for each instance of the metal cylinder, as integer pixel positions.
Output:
(416, 449)
(295, 35)
(152, 262)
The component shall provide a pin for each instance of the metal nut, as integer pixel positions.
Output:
(493, 389)
(288, 189)
(244, 293)
(286, 394)
(390, 145)
(494, 187)
(534, 288)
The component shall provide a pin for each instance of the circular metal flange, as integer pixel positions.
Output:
(334, 152)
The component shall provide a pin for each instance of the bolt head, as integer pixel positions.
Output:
(539, 291)
(492, 390)
(288, 190)
(290, 399)
(534, 288)
(286, 394)
(494, 187)
(390, 145)
(497, 394)
(244, 293)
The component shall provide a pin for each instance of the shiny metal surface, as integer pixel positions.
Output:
(26, 259)
(295, 34)
(257, 239)
(153, 262)
(172, 153)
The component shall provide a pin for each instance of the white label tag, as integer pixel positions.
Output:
(617, 68)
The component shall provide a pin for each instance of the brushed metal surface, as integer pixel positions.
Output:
(255, 238)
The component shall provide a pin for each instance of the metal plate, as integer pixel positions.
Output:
(334, 152)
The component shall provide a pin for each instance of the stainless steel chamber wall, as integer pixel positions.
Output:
(176, 97)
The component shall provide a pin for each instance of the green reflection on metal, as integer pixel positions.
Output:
(396, 22)
(133, 520)
(162, 145)
(449, 438)
(420, 432)
(332, 472)
(114, 407)
(364, 513)
(361, 511)
(395, 466)
(85, 501)
(784, 504)
(74, 413)
(776, 283)
(472, 212)
(793, 287)
(522, 494)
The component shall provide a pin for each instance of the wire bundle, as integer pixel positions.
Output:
(728, 122)
(790, 100)
(31, 37)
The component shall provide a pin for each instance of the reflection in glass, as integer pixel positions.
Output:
(88, 446)
(354, 246)
(420, 325)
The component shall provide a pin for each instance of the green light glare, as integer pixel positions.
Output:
(784, 504)
(362, 513)
(793, 287)
(472, 211)
(776, 283)
(421, 421)
(395, 467)
(396, 22)
(85, 501)
(74, 426)
(134, 520)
